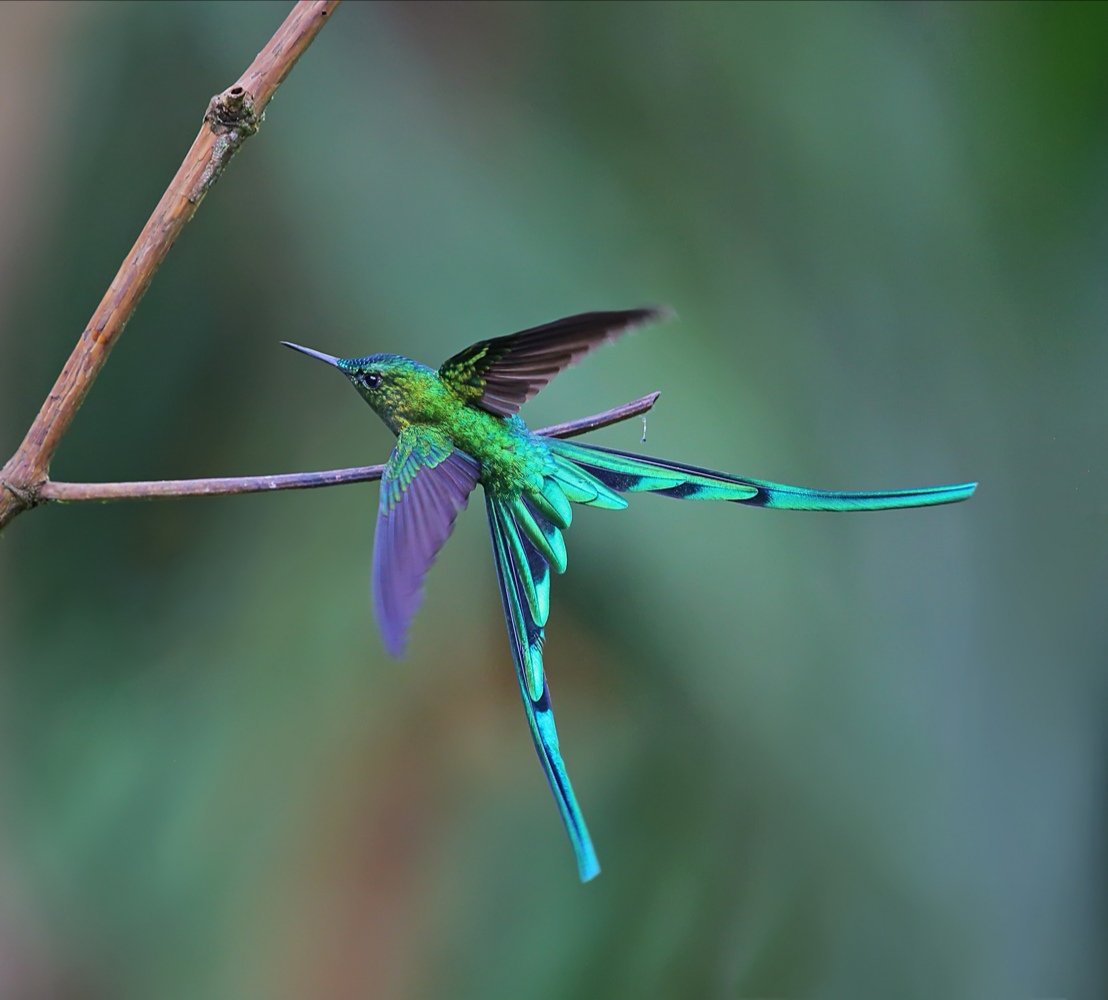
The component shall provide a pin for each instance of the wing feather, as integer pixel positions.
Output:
(425, 486)
(500, 375)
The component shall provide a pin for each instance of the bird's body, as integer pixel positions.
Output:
(413, 395)
(457, 427)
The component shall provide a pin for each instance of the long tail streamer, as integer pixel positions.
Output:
(524, 578)
(625, 472)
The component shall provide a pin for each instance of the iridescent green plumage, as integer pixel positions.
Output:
(457, 427)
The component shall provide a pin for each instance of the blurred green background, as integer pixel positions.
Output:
(820, 755)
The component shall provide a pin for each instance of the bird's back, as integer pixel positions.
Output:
(512, 458)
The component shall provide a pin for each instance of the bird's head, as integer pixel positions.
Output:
(392, 384)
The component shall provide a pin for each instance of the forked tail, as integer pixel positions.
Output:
(527, 544)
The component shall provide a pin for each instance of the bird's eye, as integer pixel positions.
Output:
(371, 380)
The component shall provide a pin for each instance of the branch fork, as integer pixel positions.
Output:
(231, 118)
(233, 115)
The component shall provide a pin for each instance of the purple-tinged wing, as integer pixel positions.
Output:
(426, 484)
(500, 375)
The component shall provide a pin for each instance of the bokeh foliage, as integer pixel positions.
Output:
(821, 755)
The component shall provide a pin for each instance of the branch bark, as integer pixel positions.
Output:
(72, 492)
(232, 117)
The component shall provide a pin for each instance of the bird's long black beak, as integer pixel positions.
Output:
(334, 362)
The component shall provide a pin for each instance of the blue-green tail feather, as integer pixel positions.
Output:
(527, 544)
(629, 473)
(524, 581)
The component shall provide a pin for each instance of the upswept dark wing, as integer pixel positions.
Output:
(500, 375)
(425, 486)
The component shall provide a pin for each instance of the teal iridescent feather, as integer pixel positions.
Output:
(629, 473)
(526, 640)
(458, 426)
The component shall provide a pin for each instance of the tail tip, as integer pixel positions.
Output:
(588, 868)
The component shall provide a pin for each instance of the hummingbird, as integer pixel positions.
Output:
(458, 426)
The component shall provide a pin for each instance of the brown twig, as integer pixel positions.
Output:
(71, 492)
(232, 117)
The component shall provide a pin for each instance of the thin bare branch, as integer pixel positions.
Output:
(155, 489)
(232, 117)
(572, 428)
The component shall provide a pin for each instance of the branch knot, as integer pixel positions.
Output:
(232, 119)
(233, 111)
